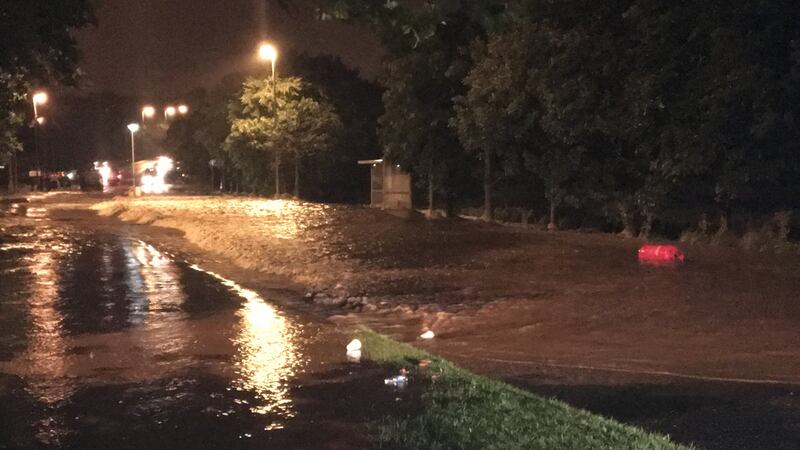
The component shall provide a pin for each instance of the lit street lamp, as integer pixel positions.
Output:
(133, 127)
(169, 111)
(268, 52)
(39, 98)
(183, 109)
(148, 112)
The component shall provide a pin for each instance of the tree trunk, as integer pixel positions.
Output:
(16, 171)
(12, 173)
(647, 225)
(450, 207)
(552, 225)
(297, 176)
(430, 192)
(724, 221)
(488, 213)
(277, 176)
(626, 215)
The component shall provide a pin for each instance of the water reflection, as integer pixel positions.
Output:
(267, 353)
(153, 282)
(101, 310)
(36, 213)
(45, 355)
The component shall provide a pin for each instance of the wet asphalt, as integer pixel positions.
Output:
(108, 342)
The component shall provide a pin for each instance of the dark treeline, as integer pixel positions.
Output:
(621, 115)
(37, 49)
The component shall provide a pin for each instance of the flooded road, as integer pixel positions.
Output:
(105, 341)
(166, 354)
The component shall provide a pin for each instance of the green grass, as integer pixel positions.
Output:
(461, 410)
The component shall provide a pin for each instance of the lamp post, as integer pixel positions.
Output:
(148, 112)
(39, 98)
(183, 109)
(268, 52)
(133, 127)
(169, 111)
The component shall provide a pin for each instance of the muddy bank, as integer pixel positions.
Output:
(506, 293)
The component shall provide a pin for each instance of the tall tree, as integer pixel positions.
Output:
(333, 175)
(284, 120)
(428, 57)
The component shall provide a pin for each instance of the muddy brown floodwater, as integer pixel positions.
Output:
(108, 342)
(706, 351)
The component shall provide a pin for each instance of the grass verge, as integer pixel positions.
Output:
(462, 410)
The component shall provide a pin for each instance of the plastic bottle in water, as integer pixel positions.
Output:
(398, 381)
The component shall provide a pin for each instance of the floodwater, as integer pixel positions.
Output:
(157, 356)
(105, 341)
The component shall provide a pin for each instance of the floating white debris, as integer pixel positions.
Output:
(427, 335)
(354, 345)
(354, 351)
(354, 356)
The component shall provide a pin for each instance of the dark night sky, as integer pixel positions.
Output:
(162, 48)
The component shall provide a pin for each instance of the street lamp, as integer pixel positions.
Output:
(133, 127)
(148, 112)
(268, 52)
(183, 109)
(169, 111)
(39, 98)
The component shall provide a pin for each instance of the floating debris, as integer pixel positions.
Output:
(354, 351)
(399, 381)
(427, 335)
(354, 345)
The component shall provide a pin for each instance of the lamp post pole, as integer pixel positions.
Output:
(268, 52)
(134, 127)
(38, 98)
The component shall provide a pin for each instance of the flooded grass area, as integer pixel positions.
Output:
(466, 411)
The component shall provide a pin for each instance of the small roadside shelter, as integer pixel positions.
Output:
(390, 186)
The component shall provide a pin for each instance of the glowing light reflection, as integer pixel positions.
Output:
(46, 353)
(267, 354)
(156, 183)
(105, 172)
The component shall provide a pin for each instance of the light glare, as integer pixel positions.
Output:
(267, 52)
(40, 98)
(156, 183)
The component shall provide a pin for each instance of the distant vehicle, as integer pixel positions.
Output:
(90, 180)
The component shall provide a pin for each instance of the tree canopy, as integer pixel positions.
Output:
(37, 49)
(283, 119)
